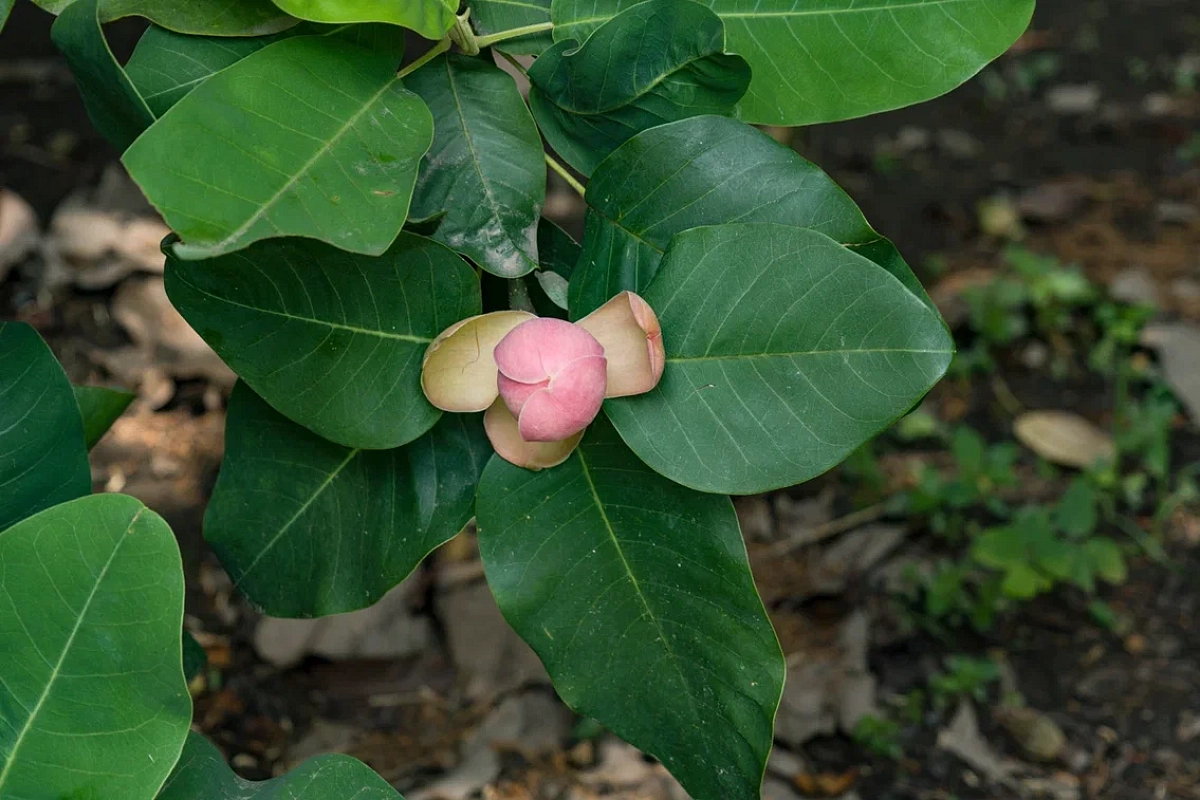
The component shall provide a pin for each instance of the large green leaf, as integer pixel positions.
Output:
(100, 407)
(497, 16)
(93, 702)
(637, 595)
(306, 527)
(113, 104)
(705, 171)
(202, 774)
(824, 60)
(167, 65)
(310, 136)
(806, 351)
(5, 10)
(430, 18)
(486, 169)
(43, 456)
(331, 339)
(205, 17)
(658, 62)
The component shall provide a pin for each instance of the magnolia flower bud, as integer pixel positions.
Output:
(552, 376)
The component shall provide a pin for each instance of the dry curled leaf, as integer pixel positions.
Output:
(1063, 438)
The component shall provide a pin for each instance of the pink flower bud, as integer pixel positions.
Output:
(552, 376)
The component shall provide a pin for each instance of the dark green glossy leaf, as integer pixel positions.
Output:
(307, 528)
(43, 456)
(93, 701)
(485, 169)
(496, 16)
(549, 286)
(807, 351)
(195, 660)
(201, 17)
(310, 136)
(430, 18)
(836, 59)
(100, 407)
(113, 104)
(202, 774)
(331, 339)
(658, 62)
(705, 171)
(637, 595)
(167, 65)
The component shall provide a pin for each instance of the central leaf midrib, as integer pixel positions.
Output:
(637, 587)
(12, 756)
(919, 4)
(402, 337)
(299, 513)
(860, 351)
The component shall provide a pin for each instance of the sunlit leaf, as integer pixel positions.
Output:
(310, 136)
(430, 18)
(94, 701)
(836, 59)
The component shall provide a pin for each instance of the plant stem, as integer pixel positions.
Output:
(834, 527)
(488, 41)
(565, 175)
(435, 51)
(517, 65)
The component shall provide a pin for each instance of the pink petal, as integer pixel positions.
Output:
(628, 329)
(567, 405)
(503, 433)
(538, 348)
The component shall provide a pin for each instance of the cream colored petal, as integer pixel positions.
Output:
(459, 372)
(629, 331)
(502, 431)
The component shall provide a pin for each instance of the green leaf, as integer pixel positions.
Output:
(100, 407)
(808, 351)
(195, 660)
(202, 774)
(94, 701)
(113, 104)
(166, 65)
(495, 16)
(332, 340)
(549, 287)
(658, 62)
(310, 136)
(837, 59)
(204, 17)
(43, 456)
(5, 10)
(1023, 582)
(636, 593)
(430, 18)
(307, 528)
(1075, 514)
(1107, 559)
(1000, 548)
(706, 171)
(486, 167)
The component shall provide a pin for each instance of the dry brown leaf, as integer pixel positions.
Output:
(1063, 438)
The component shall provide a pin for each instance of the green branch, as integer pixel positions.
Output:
(442, 46)
(565, 175)
(488, 41)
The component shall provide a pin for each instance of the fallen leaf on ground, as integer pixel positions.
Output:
(1178, 346)
(1039, 736)
(18, 231)
(1063, 438)
(963, 739)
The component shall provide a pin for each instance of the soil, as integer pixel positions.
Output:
(1118, 164)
